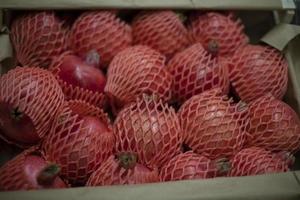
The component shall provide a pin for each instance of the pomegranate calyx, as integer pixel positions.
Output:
(127, 160)
(16, 113)
(223, 166)
(286, 156)
(242, 106)
(181, 17)
(213, 47)
(92, 58)
(48, 174)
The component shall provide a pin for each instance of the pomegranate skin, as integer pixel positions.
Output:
(212, 125)
(111, 173)
(150, 129)
(273, 125)
(254, 161)
(160, 30)
(256, 70)
(100, 34)
(80, 140)
(21, 173)
(219, 33)
(29, 101)
(137, 70)
(194, 71)
(79, 80)
(37, 37)
(187, 166)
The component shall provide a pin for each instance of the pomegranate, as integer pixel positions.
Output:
(254, 161)
(28, 171)
(161, 30)
(120, 170)
(99, 35)
(189, 165)
(29, 101)
(194, 70)
(134, 71)
(220, 34)
(273, 125)
(212, 125)
(150, 129)
(80, 140)
(255, 70)
(37, 37)
(78, 79)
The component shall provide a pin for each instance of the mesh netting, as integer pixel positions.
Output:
(149, 128)
(138, 70)
(75, 92)
(160, 30)
(213, 28)
(194, 70)
(256, 70)
(36, 93)
(77, 148)
(110, 173)
(273, 125)
(100, 31)
(13, 176)
(37, 37)
(254, 161)
(212, 125)
(188, 166)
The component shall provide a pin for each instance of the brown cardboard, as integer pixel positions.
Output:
(276, 187)
(182, 4)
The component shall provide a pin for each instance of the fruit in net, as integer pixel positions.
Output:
(120, 170)
(28, 171)
(150, 129)
(255, 160)
(80, 140)
(160, 30)
(255, 70)
(37, 37)
(190, 165)
(99, 36)
(273, 125)
(194, 71)
(78, 79)
(134, 71)
(29, 101)
(212, 125)
(219, 33)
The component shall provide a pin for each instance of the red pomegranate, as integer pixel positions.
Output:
(99, 35)
(150, 129)
(80, 140)
(189, 165)
(255, 70)
(28, 171)
(194, 70)
(120, 170)
(37, 37)
(137, 70)
(161, 30)
(273, 125)
(78, 79)
(219, 33)
(212, 125)
(29, 101)
(254, 161)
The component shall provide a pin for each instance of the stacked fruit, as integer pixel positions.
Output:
(104, 102)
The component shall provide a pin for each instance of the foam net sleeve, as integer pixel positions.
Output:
(35, 92)
(37, 37)
(257, 70)
(149, 128)
(74, 146)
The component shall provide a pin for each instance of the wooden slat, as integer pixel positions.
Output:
(186, 4)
